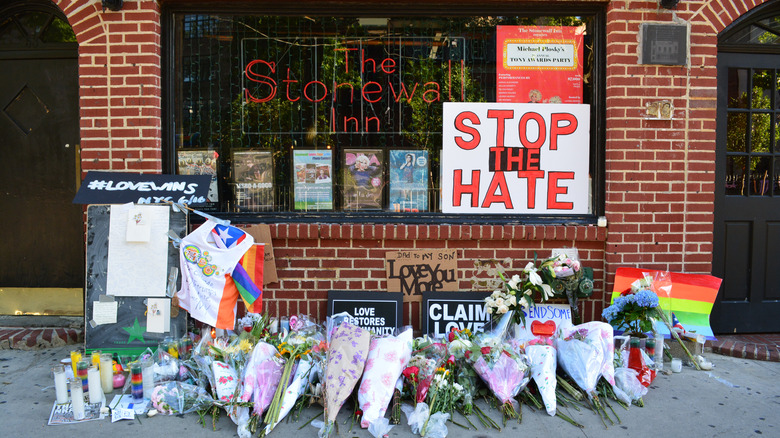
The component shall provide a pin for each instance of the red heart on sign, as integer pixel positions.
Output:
(546, 328)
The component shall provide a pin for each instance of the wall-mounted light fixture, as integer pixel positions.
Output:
(668, 4)
(112, 5)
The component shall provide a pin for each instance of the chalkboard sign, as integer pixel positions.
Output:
(121, 187)
(129, 333)
(443, 311)
(378, 312)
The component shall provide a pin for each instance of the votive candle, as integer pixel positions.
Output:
(136, 382)
(106, 373)
(81, 372)
(77, 399)
(147, 374)
(95, 388)
(60, 384)
(75, 357)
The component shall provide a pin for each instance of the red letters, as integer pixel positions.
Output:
(498, 183)
(556, 129)
(459, 189)
(500, 116)
(553, 190)
(523, 128)
(264, 80)
(473, 132)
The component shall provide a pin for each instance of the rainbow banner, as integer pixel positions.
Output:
(691, 298)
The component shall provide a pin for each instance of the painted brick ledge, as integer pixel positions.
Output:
(32, 338)
(764, 348)
(440, 232)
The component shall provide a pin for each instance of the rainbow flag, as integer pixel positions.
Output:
(246, 277)
(691, 300)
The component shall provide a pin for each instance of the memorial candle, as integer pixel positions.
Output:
(95, 388)
(77, 399)
(106, 373)
(81, 372)
(136, 382)
(60, 384)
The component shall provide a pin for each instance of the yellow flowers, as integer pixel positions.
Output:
(245, 346)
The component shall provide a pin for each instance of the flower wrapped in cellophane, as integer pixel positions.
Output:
(347, 354)
(503, 368)
(586, 352)
(422, 366)
(172, 398)
(261, 377)
(302, 364)
(387, 358)
(543, 359)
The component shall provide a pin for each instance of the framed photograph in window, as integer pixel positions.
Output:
(313, 179)
(200, 162)
(408, 180)
(253, 180)
(362, 178)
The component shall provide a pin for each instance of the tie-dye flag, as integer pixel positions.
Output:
(691, 300)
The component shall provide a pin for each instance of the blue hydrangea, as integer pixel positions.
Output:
(646, 298)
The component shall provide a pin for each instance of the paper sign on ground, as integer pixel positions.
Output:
(63, 414)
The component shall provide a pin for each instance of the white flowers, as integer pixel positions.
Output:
(514, 282)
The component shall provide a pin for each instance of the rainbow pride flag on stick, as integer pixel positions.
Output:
(691, 300)
(248, 275)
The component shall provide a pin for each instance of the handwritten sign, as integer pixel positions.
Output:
(542, 316)
(443, 311)
(512, 158)
(122, 187)
(413, 272)
(377, 312)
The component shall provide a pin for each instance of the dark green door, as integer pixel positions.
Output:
(42, 244)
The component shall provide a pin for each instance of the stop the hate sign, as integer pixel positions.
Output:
(513, 158)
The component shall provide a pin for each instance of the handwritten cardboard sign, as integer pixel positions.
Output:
(443, 311)
(377, 312)
(413, 272)
(124, 187)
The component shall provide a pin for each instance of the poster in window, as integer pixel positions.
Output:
(363, 179)
(408, 180)
(313, 179)
(253, 180)
(200, 162)
(539, 64)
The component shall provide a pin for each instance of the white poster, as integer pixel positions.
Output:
(137, 269)
(515, 158)
(158, 315)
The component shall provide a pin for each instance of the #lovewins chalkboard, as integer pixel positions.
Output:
(128, 334)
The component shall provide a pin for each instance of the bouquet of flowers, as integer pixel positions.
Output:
(180, 398)
(422, 367)
(633, 311)
(503, 368)
(542, 357)
(518, 293)
(460, 345)
(387, 357)
(300, 367)
(586, 353)
(346, 358)
(561, 266)
(261, 377)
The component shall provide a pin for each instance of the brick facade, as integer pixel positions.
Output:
(659, 173)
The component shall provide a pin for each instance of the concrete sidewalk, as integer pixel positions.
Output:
(738, 398)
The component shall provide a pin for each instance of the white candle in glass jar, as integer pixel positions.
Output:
(77, 399)
(147, 374)
(95, 387)
(106, 373)
(60, 384)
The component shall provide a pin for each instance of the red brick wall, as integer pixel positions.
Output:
(659, 173)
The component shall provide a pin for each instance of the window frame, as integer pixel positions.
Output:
(170, 11)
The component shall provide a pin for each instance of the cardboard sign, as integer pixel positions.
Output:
(262, 234)
(378, 312)
(443, 311)
(510, 158)
(122, 187)
(413, 272)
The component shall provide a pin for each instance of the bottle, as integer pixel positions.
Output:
(659, 352)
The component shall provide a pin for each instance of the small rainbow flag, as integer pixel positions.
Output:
(248, 275)
(691, 300)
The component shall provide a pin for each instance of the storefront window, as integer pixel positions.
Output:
(317, 114)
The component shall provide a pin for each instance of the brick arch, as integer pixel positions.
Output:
(120, 84)
(721, 13)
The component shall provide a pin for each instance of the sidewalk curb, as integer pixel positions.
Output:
(746, 350)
